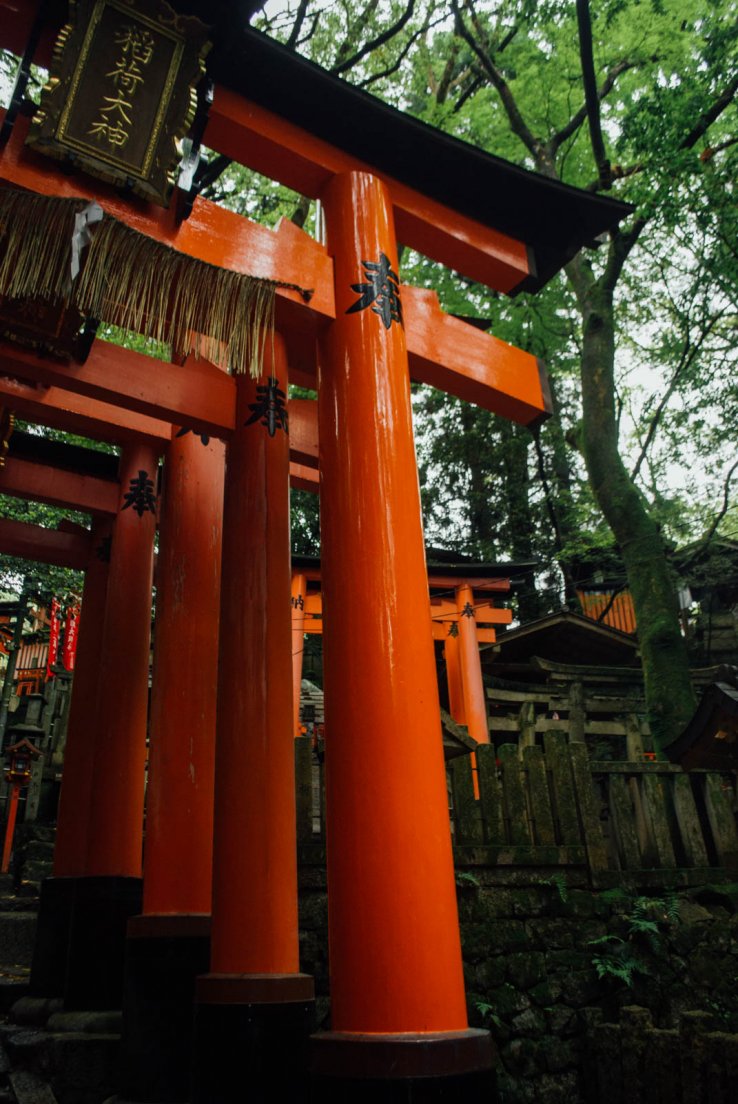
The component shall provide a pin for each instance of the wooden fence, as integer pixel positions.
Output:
(553, 806)
(634, 1062)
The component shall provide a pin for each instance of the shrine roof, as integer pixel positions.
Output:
(554, 220)
(565, 637)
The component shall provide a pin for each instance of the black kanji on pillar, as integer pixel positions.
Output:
(140, 494)
(468, 610)
(269, 408)
(204, 437)
(382, 290)
(298, 602)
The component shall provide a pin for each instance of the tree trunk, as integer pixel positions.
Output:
(669, 696)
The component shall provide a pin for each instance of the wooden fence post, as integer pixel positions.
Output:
(576, 713)
(467, 813)
(515, 804)
(490, 795)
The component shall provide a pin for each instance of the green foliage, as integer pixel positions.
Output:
(558, 881)
(624, 959)
(466, 878)
(487, 1013)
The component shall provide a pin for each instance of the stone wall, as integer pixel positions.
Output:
(531, 965)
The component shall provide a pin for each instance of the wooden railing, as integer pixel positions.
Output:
(552, 806)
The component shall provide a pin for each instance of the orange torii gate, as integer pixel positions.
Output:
(461, 622)
(398, 1006)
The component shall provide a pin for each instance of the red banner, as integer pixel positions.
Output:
(71, 629)
(54, 629)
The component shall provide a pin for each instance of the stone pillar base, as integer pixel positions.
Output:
(102, 908)
(251, 1038)
(80, 940)
(402, 1069)
(55, 909)
(164, 955)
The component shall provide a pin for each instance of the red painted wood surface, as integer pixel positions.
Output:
(56, 487)
(116, 810)
(31, 542)
(393, 926)
(179, 810)
(83, 730)
(282, 151)
(254, 925)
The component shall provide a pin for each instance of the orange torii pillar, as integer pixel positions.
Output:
(168, 945)
(475, 704)
(110, 891)
(48, 972)
(254, 1010)
(397, 988)
(299, 593)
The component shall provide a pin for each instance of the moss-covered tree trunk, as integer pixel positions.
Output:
(669, 695)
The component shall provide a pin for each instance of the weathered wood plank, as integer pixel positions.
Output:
(655, 799)
(467, 813)
(633, 738)
(576, 713)
(540, 800)
(490, 795)
(527, 722)
(605, 766)
(718, 799)
(519, 855)
(688, 820)
(623, 818)
(514, 795)
(558, 763)
(589, 812)
(304, 788)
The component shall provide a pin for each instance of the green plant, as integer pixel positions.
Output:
(617, 959)
(487, 1012)
(622, 959)
(464, 878)
(558, 881)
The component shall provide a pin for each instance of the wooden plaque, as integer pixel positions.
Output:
(122, 92)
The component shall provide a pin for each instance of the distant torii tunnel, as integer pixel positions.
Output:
(93, 233)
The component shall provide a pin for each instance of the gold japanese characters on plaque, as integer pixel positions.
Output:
(122, 92)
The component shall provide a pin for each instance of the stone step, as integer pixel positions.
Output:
(17, 935)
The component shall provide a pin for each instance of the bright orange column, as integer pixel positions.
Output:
(72, 826)
(116, 814)
(179, 809)
(254, 925)
(393, 927)
(299, 592)
(475, 703)
(453, 678)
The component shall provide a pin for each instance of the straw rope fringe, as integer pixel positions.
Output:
(135, 282)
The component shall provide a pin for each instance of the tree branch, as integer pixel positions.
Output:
(578, 118)
(375, 43)
(715, 521)
(707, 118)
(499, 83)
(689, 353)
(396, 65)
(591, 98)
(622, 242)
(297, 25)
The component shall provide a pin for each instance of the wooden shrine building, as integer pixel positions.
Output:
(101, 222)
